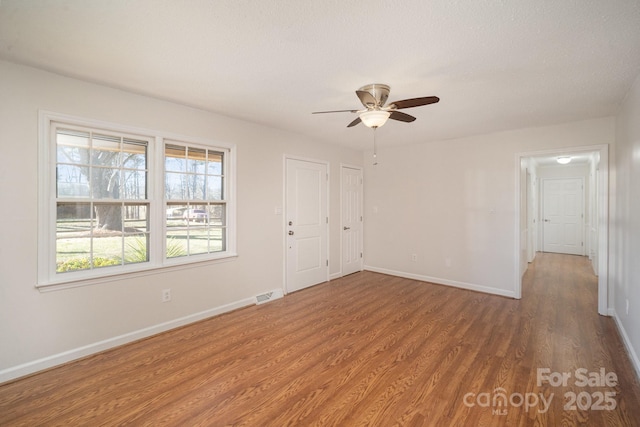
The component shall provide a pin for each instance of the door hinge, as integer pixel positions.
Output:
(327, 263)
(360, 254)
(327, 220)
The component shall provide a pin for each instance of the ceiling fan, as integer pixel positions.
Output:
(375, 113)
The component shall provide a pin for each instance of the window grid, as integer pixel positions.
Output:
(93, 174)
(195, 205)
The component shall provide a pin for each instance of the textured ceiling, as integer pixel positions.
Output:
(495, 64)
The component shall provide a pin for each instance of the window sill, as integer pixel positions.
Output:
(58, 284)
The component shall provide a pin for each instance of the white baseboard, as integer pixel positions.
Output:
(340, 274)
(439, 281)
(335, 276)
(627, 343)
(80, 352)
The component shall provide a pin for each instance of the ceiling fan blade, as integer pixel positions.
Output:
(414, 102)
(366, 98)
(400, 116)
(335, 111)
(353, 123)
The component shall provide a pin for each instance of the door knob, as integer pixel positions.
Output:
(290, 233)
(346, 228)
(546, 220)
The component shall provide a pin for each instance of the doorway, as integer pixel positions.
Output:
(306, 217)
(599, 220)
(351, 219)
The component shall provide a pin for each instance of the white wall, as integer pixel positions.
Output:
(624, 268)
(37, 329)
(564, 171)
(453, 204)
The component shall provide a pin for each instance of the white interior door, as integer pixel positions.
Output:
(351, 179)
(563, 216)
(307, 222)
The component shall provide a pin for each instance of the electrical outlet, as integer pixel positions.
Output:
(627, 305)
(166, 295)
(414, 257)
(447, 262)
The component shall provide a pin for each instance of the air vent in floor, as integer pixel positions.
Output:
(269, 296)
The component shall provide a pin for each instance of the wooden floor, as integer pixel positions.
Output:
(367, 349)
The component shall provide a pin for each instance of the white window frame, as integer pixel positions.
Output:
(48, 279)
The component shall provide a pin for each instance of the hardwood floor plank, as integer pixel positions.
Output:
(367, 349)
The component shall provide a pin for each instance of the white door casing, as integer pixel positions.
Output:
(306, 216)
(563, 216)
(595, 223)
(531, 221)
(351, 219)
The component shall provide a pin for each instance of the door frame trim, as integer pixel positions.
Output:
(286, 157)
(603, 217)
(361, 170)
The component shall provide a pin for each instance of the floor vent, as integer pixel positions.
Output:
(268, 296)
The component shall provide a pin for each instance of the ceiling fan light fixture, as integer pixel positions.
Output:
(563, 160)
(375, 114)
(374, 118)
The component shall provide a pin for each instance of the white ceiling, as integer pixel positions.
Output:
(495, 64)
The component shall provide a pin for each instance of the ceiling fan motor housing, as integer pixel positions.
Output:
(380, 93)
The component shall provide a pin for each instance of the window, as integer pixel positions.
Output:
(117, 200)
(194, 191)
(101, 199)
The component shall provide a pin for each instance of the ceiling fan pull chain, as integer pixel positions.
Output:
(375, 148)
